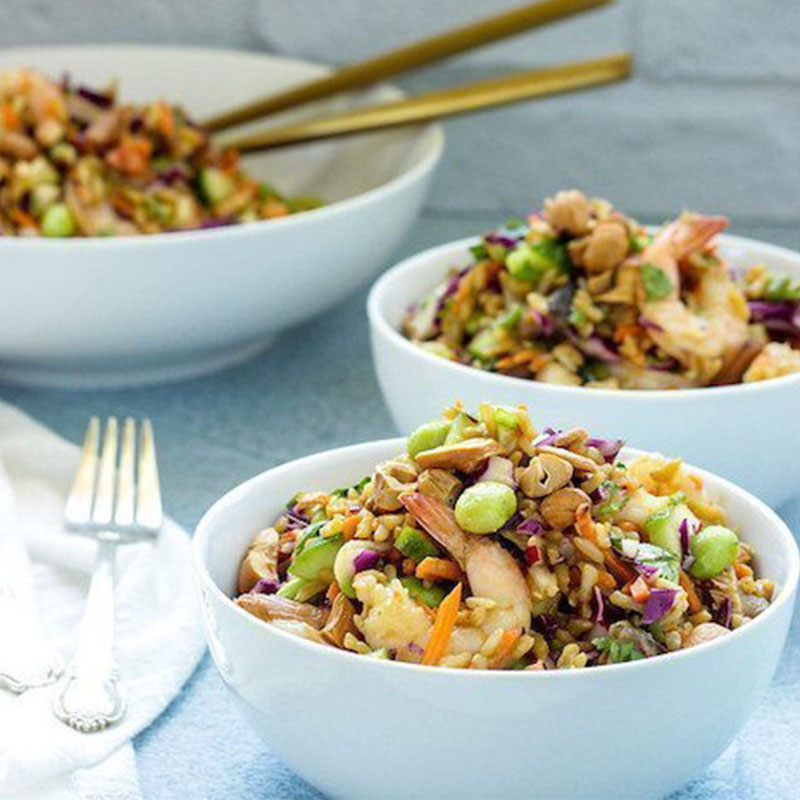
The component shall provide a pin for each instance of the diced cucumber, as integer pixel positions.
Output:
(430, 596)
(58, 222)
(510, 319)
(485, 345)
(215, 185)
(415, 544)
(664, 527)
(300, 589)
(315, 562)
(529, 262)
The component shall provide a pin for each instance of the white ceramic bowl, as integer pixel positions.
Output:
(132, 309)
(358, 727)
(749, 433)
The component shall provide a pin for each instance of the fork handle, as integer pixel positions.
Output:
(90, 696)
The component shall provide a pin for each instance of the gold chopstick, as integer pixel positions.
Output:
(433, 105)
(408, 57)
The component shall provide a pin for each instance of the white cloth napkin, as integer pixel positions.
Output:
(158, 637)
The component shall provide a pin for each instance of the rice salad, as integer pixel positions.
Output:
(581, 294)
(74, 161)
(487, 545)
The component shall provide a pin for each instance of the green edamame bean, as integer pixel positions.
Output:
(485, 507)
(427, 436)
(58, 221)
(714, 549)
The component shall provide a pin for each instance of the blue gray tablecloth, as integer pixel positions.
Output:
(315, 389)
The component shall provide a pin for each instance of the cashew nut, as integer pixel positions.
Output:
(544, 475)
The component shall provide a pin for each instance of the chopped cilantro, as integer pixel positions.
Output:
(657, 284)
(593, 371)
(512, 223)
(668, 564)
(618, 650)
(638, 243)
(782, 289)
(359, 487)
(479, 251)
(615, 499)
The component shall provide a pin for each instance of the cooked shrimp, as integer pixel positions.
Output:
(491, 570)
(713, 322)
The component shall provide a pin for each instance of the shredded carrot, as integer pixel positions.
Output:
(333, 591)
(432, 569)
(131, 155)
(621, 571)
(742, 570)
(540, 362)
(22, 218)
(349, 526)
(691, 593)
(585, 524)
(275, 208)
(624, 331)
(443, 627)
(165, 123)
(627, 526)
(639, 590)
(516, 360)
(11, 121)
(697, 481)
(605, 580)
(504, 649)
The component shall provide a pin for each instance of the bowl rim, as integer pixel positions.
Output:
(382, 328)
(431, 134)
(202, 535)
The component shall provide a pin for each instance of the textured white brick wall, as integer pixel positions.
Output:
(712, 119)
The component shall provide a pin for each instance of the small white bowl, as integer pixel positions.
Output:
(166, 306)
(360, 727)
(750, 433)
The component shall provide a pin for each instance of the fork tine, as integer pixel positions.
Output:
(104, 497)
(148, 494)
(78, 510)
(126, 492)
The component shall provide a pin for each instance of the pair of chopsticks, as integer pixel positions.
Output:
(432, 105)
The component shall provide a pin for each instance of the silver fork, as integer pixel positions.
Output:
(117, 502)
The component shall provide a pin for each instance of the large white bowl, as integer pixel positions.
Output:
(359, 727)
(132, 309)
(750, 433)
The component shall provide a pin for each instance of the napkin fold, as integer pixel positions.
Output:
(45, 572)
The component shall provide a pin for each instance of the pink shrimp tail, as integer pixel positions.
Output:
(692, 231)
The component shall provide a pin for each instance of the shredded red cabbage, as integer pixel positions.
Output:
(649, 324)
(725, 612)
(265, 586)
(609, 448)
(530, 526)
(598, 348)
(684, 531)
(545, 624)
(366, 559)
(548, 438)
(658, 604)
(99, 99)
(495, 237)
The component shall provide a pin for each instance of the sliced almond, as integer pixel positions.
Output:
(465, 456)
(580, 463)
